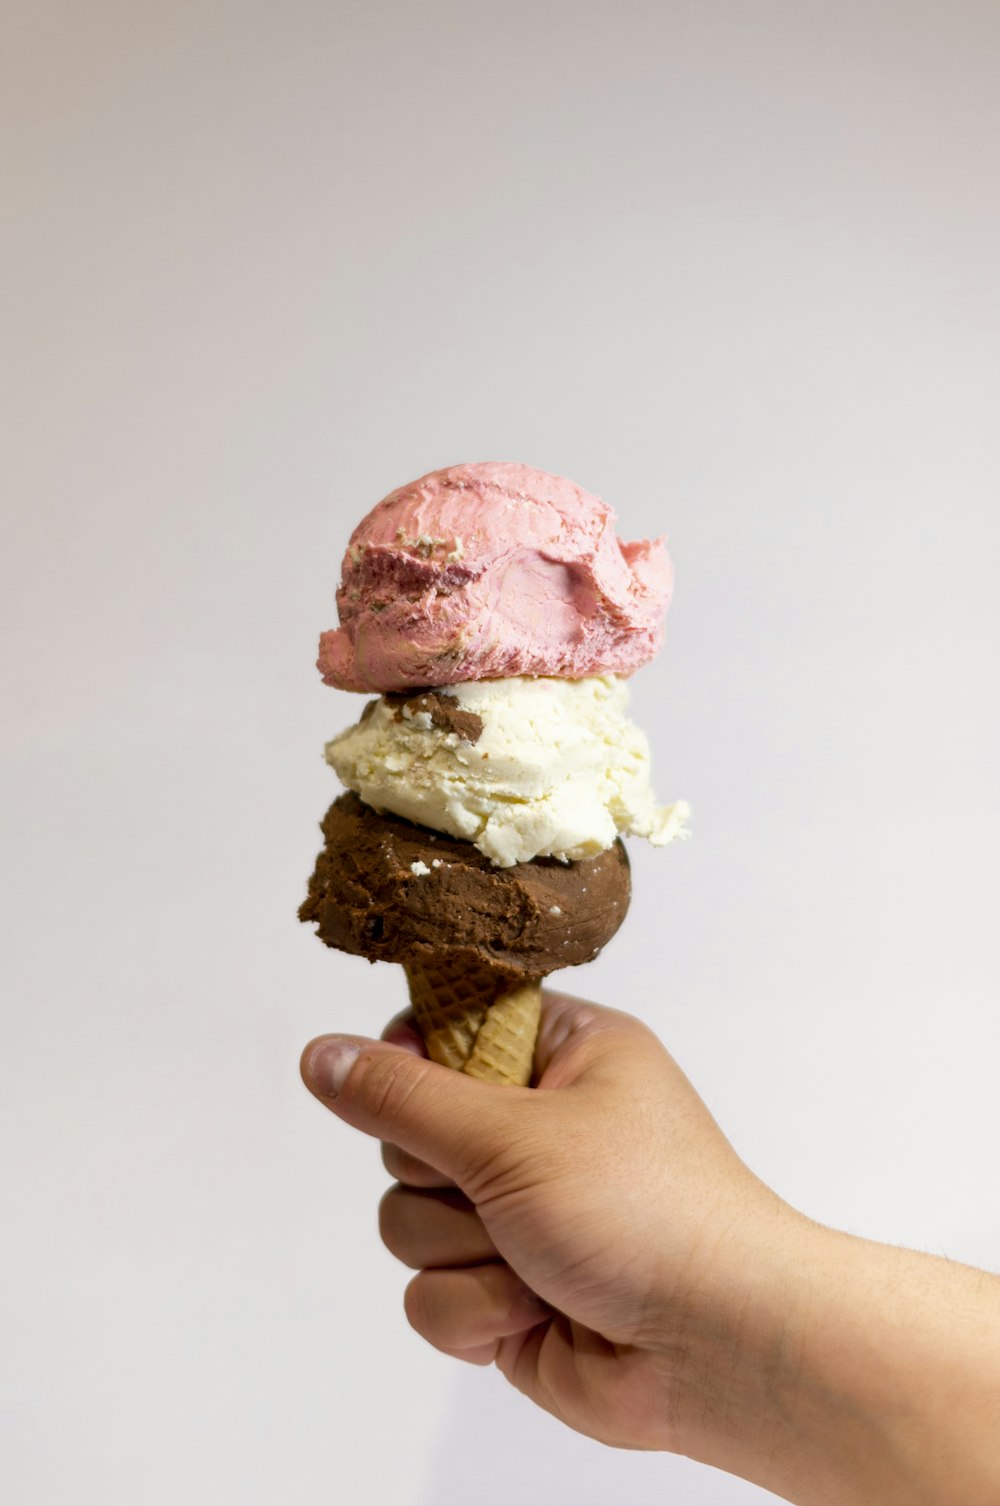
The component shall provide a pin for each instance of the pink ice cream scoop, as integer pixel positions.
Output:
(480, 572)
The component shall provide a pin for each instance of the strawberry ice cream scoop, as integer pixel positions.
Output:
(481, 572)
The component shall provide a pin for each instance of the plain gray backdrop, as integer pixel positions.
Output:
(731, 265)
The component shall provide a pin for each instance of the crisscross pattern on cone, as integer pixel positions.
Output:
(471, 1022)
(504, 1049)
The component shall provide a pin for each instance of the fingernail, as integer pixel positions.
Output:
(329, 1065)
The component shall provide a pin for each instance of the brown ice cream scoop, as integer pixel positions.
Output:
(475, 940)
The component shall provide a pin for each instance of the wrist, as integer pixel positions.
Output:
(835, 1371)
(900, 1374)
(736, 1339)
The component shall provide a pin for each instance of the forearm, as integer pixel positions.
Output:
(837, 1372)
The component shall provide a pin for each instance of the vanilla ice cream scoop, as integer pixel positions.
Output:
(520, 767)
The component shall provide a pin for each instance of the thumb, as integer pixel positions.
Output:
(451, 1121)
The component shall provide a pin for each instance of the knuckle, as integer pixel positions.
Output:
(394, 1225)
(391, 1159)
(404, 1167)
(415, 1306)
(511, 1166)
(388, 1218)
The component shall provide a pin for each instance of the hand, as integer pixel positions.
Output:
(599, 1240)
(574, 1234)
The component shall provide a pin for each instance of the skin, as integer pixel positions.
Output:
(598, 1239)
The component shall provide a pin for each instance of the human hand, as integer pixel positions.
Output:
(593, 1236)
(599, 1240)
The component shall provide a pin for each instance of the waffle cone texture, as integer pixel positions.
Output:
(473, 1021)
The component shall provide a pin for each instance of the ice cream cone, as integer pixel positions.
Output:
(476, 843)
(474, 1022)
(504, 1049)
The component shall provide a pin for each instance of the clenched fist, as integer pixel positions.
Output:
(599, 1240)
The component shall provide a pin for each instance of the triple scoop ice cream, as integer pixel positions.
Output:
(495, 614)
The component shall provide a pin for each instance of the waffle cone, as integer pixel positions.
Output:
(472, 1023)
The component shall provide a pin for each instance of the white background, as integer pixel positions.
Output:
(731, 265)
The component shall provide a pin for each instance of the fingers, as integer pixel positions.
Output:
(482, 1354)
(567, 1025)
(433, 1229)
(406, 1168)
(443, 1118)
(467, 1312)
(402, 1031)
(456, 1129)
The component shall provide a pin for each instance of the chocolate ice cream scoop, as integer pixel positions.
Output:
(391, 891)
